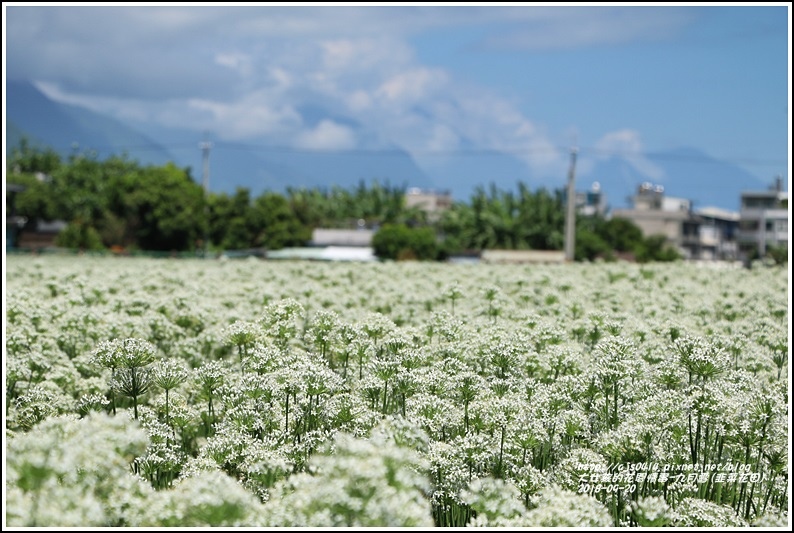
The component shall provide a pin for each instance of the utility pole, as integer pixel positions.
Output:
(570, 215)
(205, 146)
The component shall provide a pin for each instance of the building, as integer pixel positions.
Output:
(657, 214)
(40, 235)
(431, 202)
(763, 220)
(706, 234)
(327, 253)
(718, 230)
(522, 256)
(592, 202)
(361, 237)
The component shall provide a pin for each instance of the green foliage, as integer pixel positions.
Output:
(597, 237)
(277, 225)
(621, 234)
(27, 159)
(337, 207)
(111, 202)
(779, 254)
(35, 202)
(229, 223)
(118, 202)
(79, 236)
(655, 248)
(163, 207)
(502, 219)
(398, 241)
(590, 245)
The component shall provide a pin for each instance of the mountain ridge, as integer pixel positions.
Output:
(687, 172)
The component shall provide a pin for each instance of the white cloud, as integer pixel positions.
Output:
(359, 101)
(166, 51)
(443, 138)
(413, 85)
(492, 123)
(626, 143)
(339, 53)
(252, 116)
(241, 63)
(340, 67)
(243, 73)
(282, 79)
(361, 54)
(121, 108)
(328, 135)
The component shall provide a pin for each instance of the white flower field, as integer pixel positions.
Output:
(166, 392)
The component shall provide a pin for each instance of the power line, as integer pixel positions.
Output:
(470, 152)
(590, 151)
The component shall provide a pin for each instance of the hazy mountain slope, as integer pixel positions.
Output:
(259, 165)
(67, 128)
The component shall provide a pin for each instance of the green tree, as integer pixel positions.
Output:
(80, 191)
(779, 253)
(398, 241)
(30, 159)
(621, 234)
(338, 207)
(77, 192)
(499, 219)
(542, 218)
(162, 206)
(308, 205)
(655, 248)
(275, 224)
(37, 201)
(231, 224)
(599, 237)
(589, 246)
(79, 236)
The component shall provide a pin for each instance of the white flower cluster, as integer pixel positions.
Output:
(260, 393)
(69, 472)
(355, 483)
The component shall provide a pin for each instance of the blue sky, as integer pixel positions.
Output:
(434, 80)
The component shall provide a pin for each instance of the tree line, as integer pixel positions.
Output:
(122, 204)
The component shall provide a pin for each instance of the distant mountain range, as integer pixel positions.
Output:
(688, 173)
(67, 128)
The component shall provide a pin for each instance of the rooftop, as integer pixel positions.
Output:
(717, 212)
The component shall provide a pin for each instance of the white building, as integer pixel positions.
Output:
(706, 234)
(718, 229)
(763, 220)
(342, 237)
(431, 202)
(657, 214)
(592, 202)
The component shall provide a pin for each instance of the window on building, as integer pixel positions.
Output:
(748, 225)
(758, 202)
